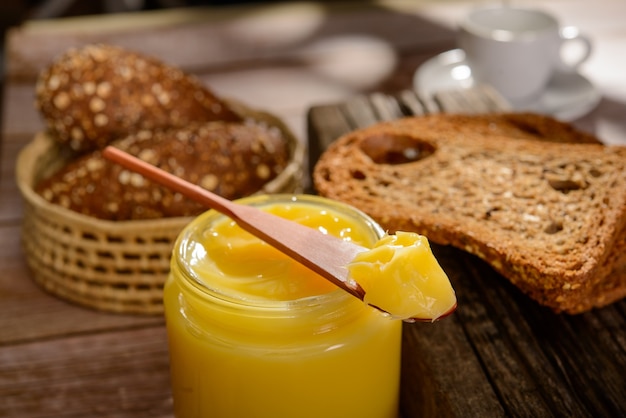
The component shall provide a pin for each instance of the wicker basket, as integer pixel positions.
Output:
(106, 265)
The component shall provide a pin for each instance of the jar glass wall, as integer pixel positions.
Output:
(251, 336)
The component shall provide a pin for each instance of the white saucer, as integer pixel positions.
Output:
(567, 97)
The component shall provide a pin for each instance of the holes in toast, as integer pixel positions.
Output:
(553, 227)
(570, 177)
(357, 174)
(396, 149)
(566, 185)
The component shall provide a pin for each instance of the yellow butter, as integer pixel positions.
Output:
(253, 270)
(253, 334)
(401, 276)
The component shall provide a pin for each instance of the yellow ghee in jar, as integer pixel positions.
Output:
(252, 334)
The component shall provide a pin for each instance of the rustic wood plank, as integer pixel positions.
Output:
(442, 376)
(359, 111)
(430, 104)
(386, 107)
(19, 116)
(572, 368)
(11, 205)
(122, 374)
(408, 99)
(325, 124)
(490, 99)
(29, 313)
(584, 351)
(477, 99)
(502, 340)
(453, 102)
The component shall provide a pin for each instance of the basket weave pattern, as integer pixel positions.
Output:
(107, 265)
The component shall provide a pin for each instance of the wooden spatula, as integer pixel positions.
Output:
(325, 254)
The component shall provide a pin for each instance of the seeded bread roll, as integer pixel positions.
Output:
(94, 95)
(232, 160)
(548, 215)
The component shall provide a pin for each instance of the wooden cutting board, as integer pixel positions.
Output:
(500, 354)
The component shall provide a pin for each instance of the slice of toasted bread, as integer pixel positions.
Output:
(543, 203)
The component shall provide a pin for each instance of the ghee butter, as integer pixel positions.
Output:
(254, 334)
(401, 276)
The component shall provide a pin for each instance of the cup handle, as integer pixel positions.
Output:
(571, 34)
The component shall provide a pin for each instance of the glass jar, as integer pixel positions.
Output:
(243, 344)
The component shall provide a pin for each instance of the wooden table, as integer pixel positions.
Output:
(499, 355)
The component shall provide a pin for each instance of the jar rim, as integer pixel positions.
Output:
(204, 290)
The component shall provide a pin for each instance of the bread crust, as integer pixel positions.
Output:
(94, 95)
(543, 203)
(231, 159)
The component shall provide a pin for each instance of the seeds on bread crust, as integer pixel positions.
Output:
(99, 93)
(231, 159)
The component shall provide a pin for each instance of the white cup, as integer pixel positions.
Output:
(517, 51)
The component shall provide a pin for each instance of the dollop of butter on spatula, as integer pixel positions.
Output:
(401, 276)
